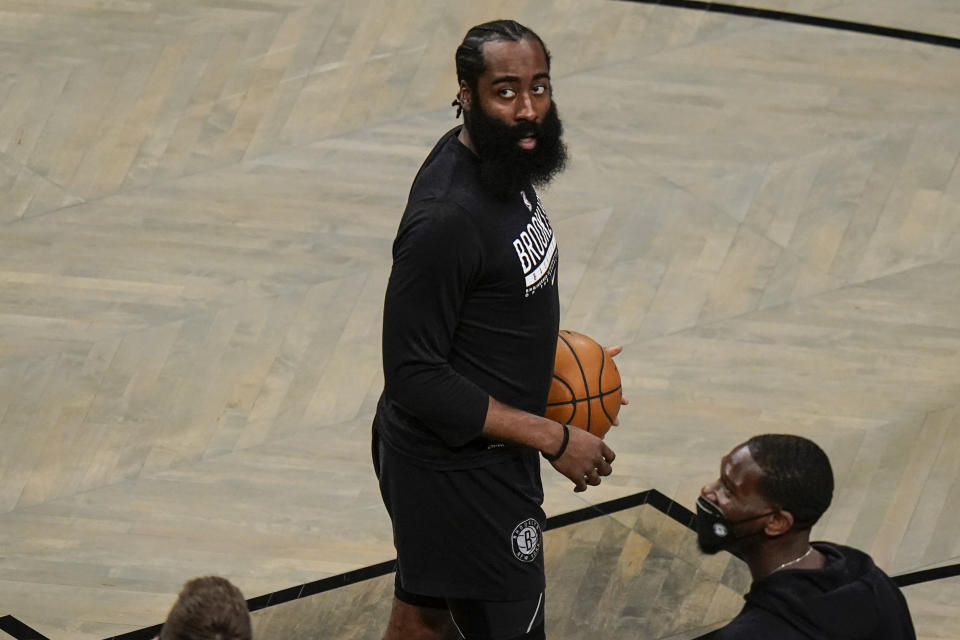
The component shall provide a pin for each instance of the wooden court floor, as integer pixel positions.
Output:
(198, 204)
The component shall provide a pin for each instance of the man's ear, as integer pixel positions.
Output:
(778, 523)
(464, 96)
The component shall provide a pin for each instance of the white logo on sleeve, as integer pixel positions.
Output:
(536, 248)
(526, 540)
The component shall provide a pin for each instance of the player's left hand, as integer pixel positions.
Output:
(613, 352)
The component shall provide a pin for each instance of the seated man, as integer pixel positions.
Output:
(209, 608)
(770, 492)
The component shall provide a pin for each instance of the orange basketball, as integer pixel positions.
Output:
(586, 385)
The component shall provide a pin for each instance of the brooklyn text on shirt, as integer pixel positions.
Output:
(536, 249)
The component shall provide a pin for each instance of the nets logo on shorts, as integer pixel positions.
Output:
(526, 540)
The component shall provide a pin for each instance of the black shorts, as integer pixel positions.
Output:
(465, 534)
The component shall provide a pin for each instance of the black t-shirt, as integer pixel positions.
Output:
(471, 311)
(848, 598)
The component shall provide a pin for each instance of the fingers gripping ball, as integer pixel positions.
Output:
(586, 385)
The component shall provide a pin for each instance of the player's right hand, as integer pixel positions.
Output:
(585, 459)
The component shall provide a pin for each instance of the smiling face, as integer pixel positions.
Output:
(737, 491)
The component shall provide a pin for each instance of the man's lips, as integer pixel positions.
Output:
(528, 143)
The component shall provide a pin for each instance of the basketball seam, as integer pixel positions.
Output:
(559, 404)
(603, 365)
(583, 375)
(576, 399)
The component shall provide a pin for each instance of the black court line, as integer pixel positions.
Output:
(19, 630)
(651, 497)
(926, 575)
(816, 21)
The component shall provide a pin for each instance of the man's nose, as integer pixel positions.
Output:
(709, 492)
(525, 110)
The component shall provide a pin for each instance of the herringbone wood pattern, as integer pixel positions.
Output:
(195, 237)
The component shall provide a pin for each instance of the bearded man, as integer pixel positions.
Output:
(772, 489)
(470, 326)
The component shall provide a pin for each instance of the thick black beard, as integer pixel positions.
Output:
(505, 167)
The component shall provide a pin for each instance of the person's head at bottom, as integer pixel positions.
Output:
(208, 608)
(771, 490)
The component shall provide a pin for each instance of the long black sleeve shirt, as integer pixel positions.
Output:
(471, 311)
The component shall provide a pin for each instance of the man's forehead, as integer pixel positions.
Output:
(739, 463)
(514, 57)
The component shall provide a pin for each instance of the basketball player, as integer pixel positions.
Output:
(771, 490)
(470, 326)
(208, 608)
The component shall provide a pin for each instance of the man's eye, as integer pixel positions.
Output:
(539, 89)
(507, 93)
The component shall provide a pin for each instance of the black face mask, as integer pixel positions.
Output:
(714, 531)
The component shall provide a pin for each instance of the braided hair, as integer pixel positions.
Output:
(469, 57)
(796, 475)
